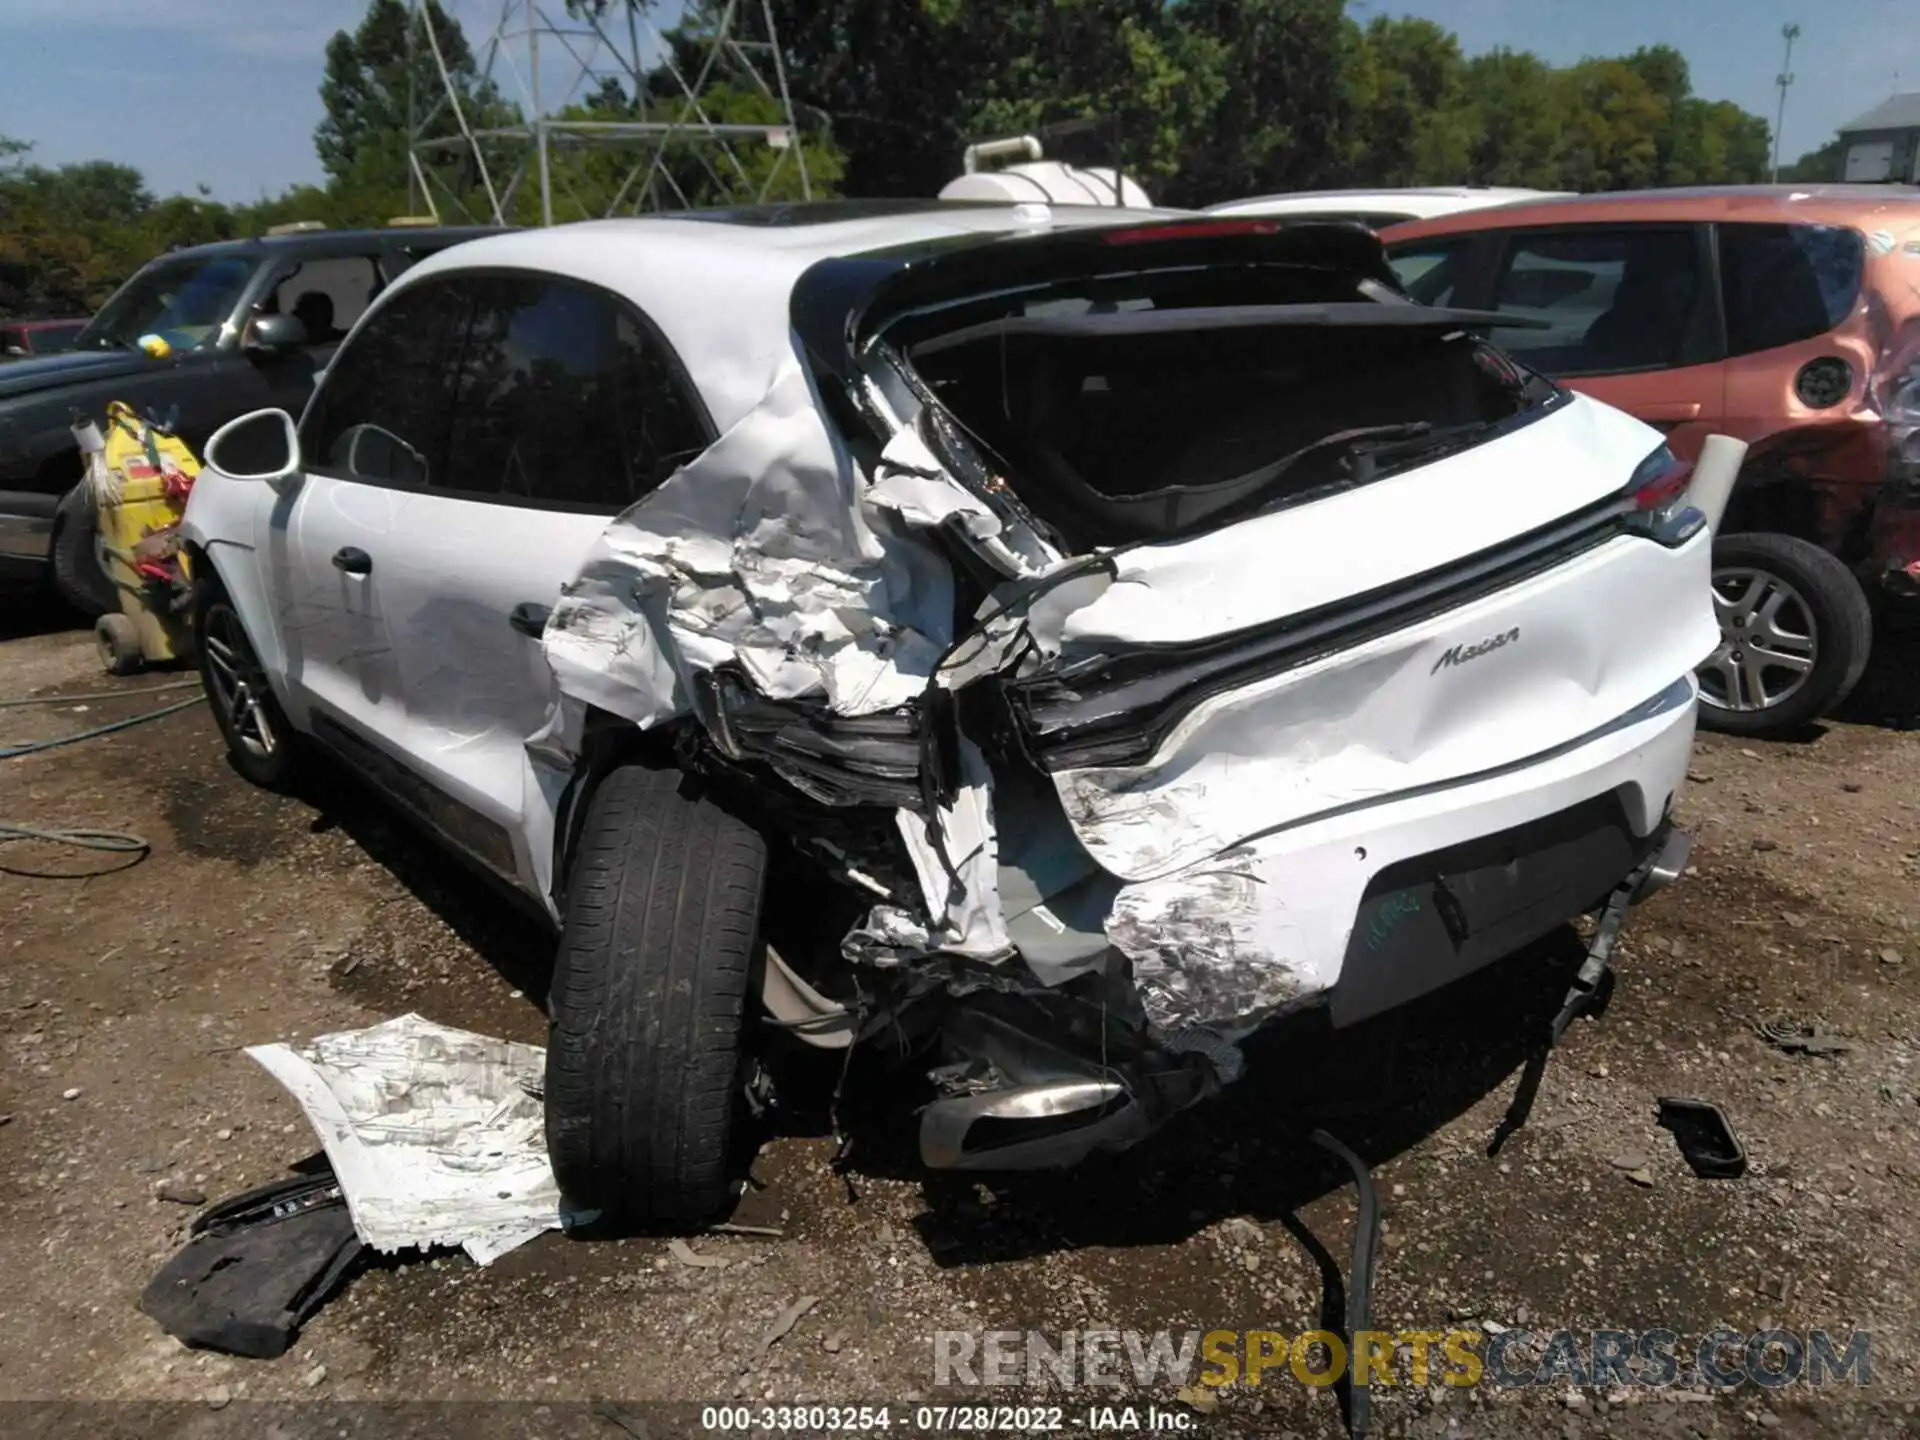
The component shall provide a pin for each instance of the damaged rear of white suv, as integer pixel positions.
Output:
(1097, 637)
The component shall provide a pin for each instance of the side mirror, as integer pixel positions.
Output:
(261, 446)
(274, 333)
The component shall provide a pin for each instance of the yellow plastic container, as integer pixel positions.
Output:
(140, 477)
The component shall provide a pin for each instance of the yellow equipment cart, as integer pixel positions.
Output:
(140, 476)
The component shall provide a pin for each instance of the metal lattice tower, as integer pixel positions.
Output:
(732, 41)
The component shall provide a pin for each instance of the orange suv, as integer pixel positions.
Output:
(1789, 317)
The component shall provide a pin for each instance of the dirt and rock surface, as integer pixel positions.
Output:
(125, 999)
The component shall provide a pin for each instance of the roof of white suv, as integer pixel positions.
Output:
(717, 283)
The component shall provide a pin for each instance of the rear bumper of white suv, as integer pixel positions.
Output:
(1361, 911)
(1353, 907)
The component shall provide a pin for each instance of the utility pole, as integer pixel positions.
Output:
(675, 139)
(1788, 32)
(540, 118)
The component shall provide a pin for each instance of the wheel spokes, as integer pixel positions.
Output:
(240, 682)
(1768, 644)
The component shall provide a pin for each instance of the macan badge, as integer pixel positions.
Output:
(1461, 654)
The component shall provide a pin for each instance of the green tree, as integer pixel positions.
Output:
(1409, 121)
(897, 78)
(1519, 120)
(1613, 129)
(1817, 167)
(1281, 120)
(381, 82)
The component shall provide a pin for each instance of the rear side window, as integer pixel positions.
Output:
(565, 398)
(1614, 299)
(1429, 270)
(1786, 283)
(384, 410)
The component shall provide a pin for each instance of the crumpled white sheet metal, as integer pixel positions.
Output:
(910, 482)
(1210, 945)
(432, 1132)
(772, 551)
(759, 552)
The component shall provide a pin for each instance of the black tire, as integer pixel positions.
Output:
(260, 742)
(648, 999)
(117, 639)
(78, 576)
(1834, 608)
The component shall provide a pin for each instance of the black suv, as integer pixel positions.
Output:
(247, 324)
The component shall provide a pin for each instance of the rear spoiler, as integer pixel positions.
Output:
(838, 305)
(1355, 314)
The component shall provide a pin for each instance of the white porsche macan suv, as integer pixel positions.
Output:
(1099, 634)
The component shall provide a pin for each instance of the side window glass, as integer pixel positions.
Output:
(1429, 270)
(1784, 283)
(326, 295)
(383, 411)
(565, 399)
(661, 426)
(1613, 300)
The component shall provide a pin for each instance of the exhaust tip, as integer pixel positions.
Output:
(1029, 1127)
(1669, 864)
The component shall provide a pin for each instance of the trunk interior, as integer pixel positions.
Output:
(1121, 416)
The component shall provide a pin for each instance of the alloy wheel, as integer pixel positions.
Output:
(239, 685)
(1768, 642)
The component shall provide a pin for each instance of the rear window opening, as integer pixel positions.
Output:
(1154, 406)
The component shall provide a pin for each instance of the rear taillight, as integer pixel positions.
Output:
(1655, 496)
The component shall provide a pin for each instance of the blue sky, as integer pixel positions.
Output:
(225, 92)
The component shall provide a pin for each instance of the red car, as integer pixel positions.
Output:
(21, 338)
(1788, 317)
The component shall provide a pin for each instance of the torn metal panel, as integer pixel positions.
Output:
(911, 482)
(757, 553)
(835, 759)
(955, 853)
(436, 1135)
(1209, 946)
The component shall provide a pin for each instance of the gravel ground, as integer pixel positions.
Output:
(124, 999)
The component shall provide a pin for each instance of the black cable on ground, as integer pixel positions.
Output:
(111, 842)
(1366, 1236)
(99, 695)
(33, 747)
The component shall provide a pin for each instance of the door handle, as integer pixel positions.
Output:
(529, 619)
(353, 560)
(1670, 411)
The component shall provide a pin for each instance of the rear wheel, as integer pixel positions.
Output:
(259, 740)
(1795, 635)
(648, 999)
(78, 574)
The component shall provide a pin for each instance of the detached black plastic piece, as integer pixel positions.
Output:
(258, 1265)
(1705, 1137)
